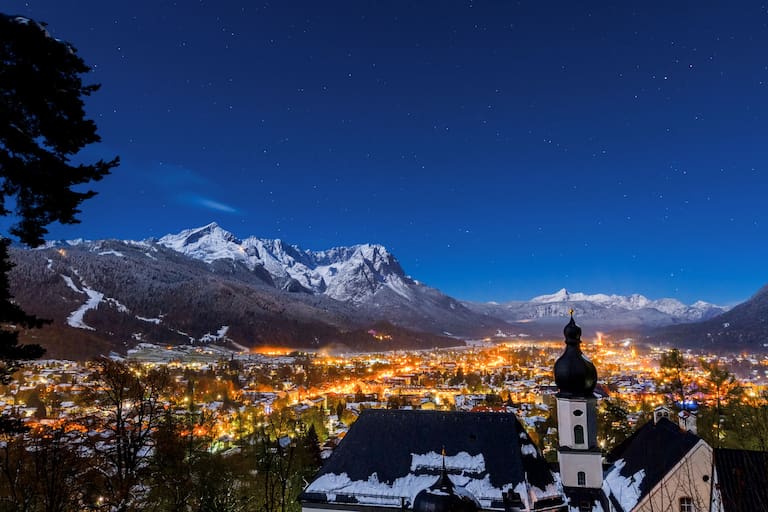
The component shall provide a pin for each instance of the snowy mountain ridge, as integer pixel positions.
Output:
(183, 287)
(600, 310)
(634, 302)
(369, 276)
(348, 274)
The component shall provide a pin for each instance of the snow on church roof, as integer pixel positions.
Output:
(642, 460)
(462, 461)
(626, 490)
(389, 456)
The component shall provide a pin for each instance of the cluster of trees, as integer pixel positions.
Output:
(728, 416)
(476, 381)
(134, 451)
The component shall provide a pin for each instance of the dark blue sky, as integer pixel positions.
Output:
(500, 149)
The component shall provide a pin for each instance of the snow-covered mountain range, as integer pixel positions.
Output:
(600, 310)
(697, 311)
(365, 277)
(348, 274)
(206, 285)
(358, 273)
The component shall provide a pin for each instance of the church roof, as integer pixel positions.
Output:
(742, 477)
(640, 462)
(397, 453)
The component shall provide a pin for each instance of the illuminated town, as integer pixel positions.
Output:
(238, 392)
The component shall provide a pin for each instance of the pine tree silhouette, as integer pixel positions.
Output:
(43, 125)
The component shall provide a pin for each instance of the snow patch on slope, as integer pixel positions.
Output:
(95, 298)
(155, 321)
(220, 335)
(76, 317)
(112, 253)
(117, 305)
(71, 283)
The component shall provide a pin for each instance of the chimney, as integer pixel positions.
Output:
(687, 421)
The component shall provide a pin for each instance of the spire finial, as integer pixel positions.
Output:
(572, 331)
(444, 482)
(443, 453)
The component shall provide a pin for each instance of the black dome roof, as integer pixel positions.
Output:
(575, 375)
(442, 497)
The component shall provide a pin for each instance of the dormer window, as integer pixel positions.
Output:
(660, 412)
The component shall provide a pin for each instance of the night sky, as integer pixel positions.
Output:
(499, 149)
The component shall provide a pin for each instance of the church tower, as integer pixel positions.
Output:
(578, 454)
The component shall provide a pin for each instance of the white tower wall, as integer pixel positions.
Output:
(574, 462)
(572, 412)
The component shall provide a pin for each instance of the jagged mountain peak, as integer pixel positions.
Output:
(559, 296)
(210, 234)
(354, 273)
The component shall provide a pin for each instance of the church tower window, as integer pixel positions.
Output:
(578, 434)
(582, 478)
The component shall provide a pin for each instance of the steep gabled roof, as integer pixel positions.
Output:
(647, 456)
(742, 478)
(386, 446)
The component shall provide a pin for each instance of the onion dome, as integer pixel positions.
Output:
(575, 375)
(442, 496)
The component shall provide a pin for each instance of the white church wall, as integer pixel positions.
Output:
(690, 478)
